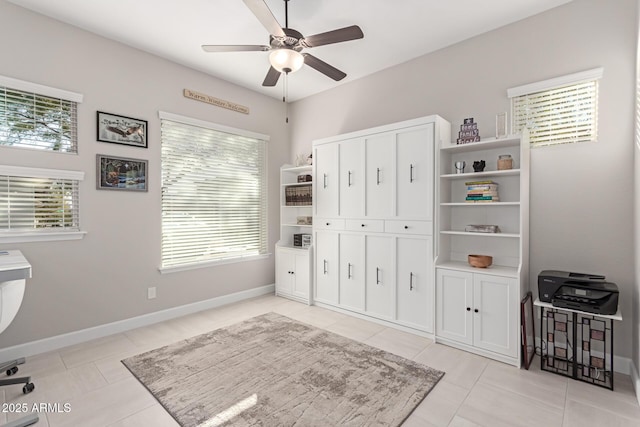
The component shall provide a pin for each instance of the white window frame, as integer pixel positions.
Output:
(47, 91)
(567, 81)
(40, 234)
(226, 129)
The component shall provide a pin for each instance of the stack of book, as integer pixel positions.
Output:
(482, 192)
(298, 195)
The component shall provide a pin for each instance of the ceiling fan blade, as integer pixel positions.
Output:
(336, 36)
(272, 77)
(260, 9)
(323, 67)
(234, 48)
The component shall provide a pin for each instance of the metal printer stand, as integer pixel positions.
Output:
(577, 344)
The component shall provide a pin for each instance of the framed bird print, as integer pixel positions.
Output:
(121, 130)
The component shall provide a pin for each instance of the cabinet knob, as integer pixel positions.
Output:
(328, 223)
(406, 227)
(362, 225)
(468, 308)
(475, 310)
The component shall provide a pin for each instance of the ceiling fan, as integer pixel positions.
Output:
(286, 44)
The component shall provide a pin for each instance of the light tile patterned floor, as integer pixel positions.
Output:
(475, 391)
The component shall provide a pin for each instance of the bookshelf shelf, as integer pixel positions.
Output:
(489, 235)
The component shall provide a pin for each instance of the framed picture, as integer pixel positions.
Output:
(118, 173)
(121, 130)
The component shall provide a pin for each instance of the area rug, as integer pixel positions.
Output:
(274, 371)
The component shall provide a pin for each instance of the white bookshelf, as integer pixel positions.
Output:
(463, 305)
(293, 263)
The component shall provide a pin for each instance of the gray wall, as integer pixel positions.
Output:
(104, 277)
(581, 194)
(636, 215)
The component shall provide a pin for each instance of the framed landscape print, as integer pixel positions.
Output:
(121, 130)
(119, 173)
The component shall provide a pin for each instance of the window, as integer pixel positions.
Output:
(557, 111)
(38, 117)
(214, 194)
(38, 204)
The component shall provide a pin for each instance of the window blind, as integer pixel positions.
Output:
(557, 111)
(38, 116)
(214, 194)
(39, 203)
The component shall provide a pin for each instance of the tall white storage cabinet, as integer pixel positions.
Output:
(478, 308)
(294, 263)
(373, 221)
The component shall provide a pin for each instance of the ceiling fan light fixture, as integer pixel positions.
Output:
(286, 60)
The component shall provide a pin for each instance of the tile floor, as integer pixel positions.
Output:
(99, 391)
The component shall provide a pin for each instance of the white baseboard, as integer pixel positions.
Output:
(635, 380)
(59, 341)
(622, 365)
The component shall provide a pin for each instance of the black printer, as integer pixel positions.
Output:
(578, 291)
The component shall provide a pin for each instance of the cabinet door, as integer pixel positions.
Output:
(326, 180)
(301, 276)
(495, 323)
(414, 278)
(379, 276)
(352, 178)
(352, 271)
(380, 175)
(454, 296)
(327, 271)
(415, 171)
(285, 266)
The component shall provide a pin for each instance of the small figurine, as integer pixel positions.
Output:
(478, 166)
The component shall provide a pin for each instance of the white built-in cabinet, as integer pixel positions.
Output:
(326, 185)
(373, 221)
(294, 263)
(478, 308)
(293, 272)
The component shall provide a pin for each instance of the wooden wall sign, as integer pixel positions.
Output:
(192, 94)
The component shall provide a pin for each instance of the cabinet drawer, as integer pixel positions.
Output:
(365, 225)
(328, 224)
(409, 227)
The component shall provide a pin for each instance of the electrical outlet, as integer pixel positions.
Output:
(151, 292)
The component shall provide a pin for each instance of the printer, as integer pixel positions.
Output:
(578, 291)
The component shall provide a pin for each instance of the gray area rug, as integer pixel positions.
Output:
(274, 371)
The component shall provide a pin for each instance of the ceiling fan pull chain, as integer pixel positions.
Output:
(285, 87)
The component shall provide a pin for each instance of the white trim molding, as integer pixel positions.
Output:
(163, 115)
(186, 267)
(25, 86)
(26, 172)
(77, 337)
(40, 236)
(569, 79)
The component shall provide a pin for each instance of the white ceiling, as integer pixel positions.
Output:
(394, 31)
